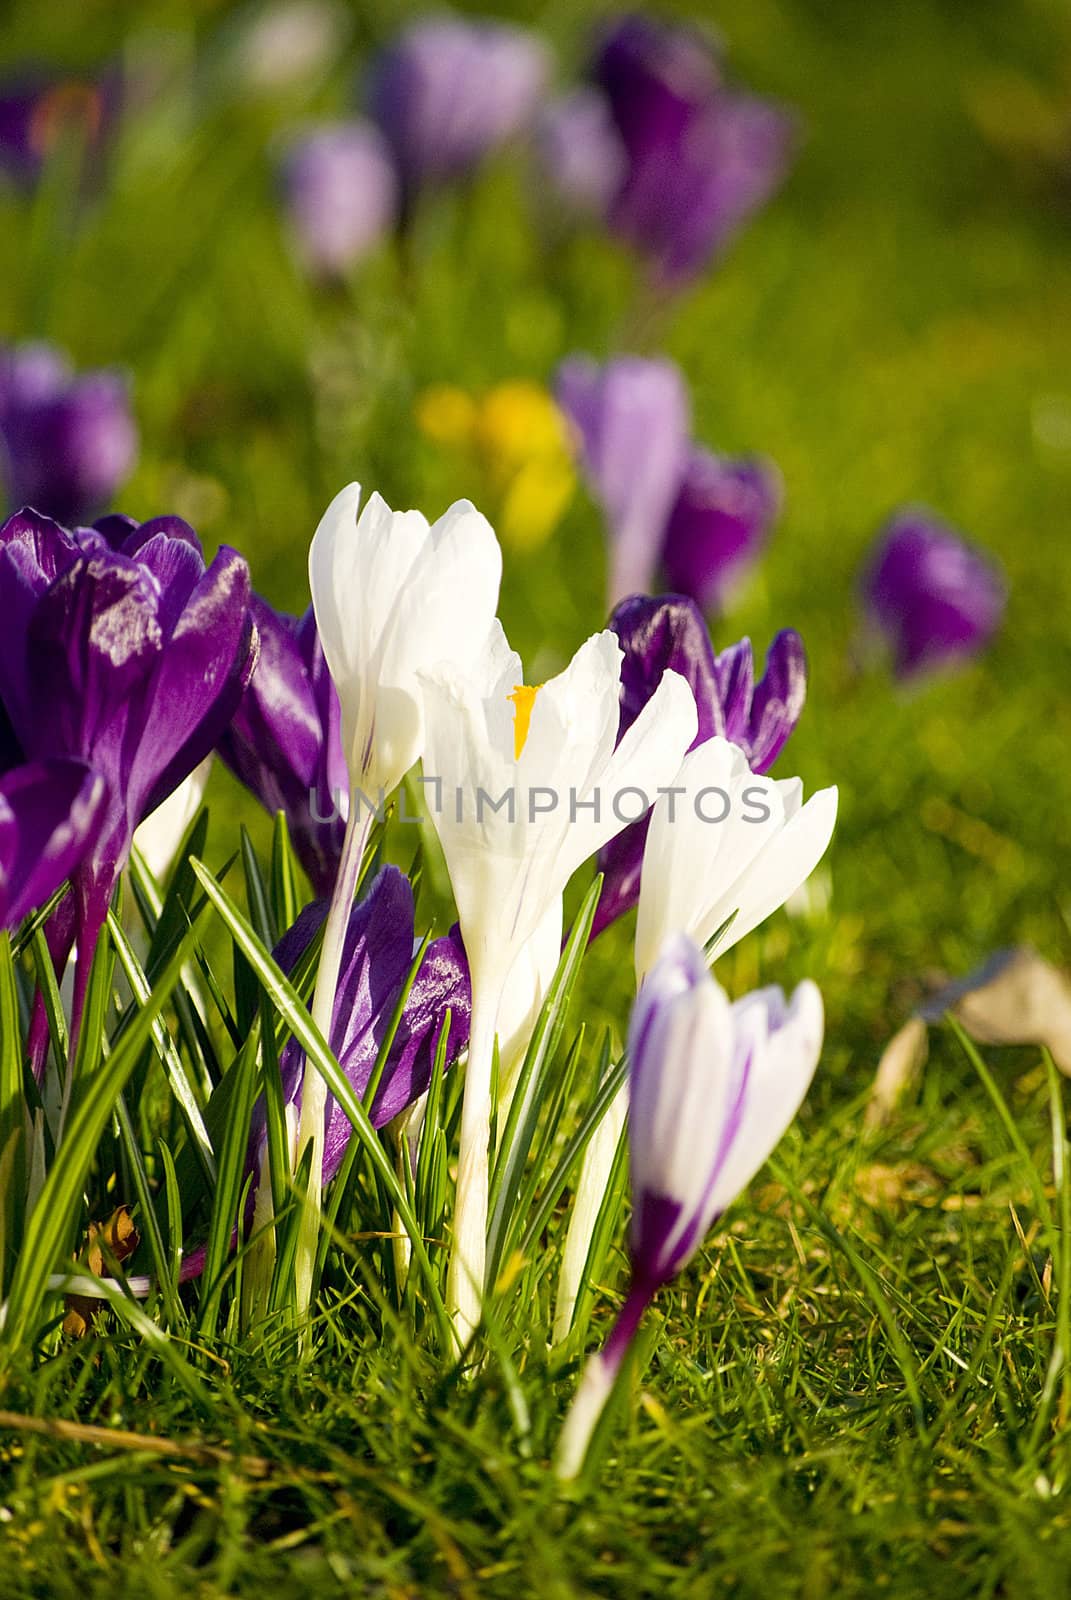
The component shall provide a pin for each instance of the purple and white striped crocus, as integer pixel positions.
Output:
(340, 194)
(632, 423)
(285, 742)
(67, 442)
(668, 633)
(721, 519)
(713, 1087)
(937, 599)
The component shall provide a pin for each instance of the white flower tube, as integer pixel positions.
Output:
(531, 786)
(391, 596)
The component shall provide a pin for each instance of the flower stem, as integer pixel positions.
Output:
(465, 1279)
(597, 1383)
(587, 1203)
(313, 1088)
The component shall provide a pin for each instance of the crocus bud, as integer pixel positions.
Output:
(580, 154)
(447, 92)
(340, 194)
(632, 423)
(712, 1087)
(40, 112)
(68, 443)
(936, 598)
(719, 523)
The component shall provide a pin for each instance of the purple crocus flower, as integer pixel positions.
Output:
(669, 634)
(712, 1087)
(722, 516)
(122, 651)
(376, 959)
(936, 598)
(580, 154)
(50, 812)
(702, 158)
(67, 443)
(284, 742)
(448, 91)
(340, 194)
(632, 423)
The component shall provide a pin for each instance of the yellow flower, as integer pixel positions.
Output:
(520, 443)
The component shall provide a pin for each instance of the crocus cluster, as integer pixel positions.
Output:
(67, 442)
(935, 598)
(668, 503)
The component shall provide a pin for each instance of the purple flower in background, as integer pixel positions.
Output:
(632, 423)
(722, 516)
(448, 91)
(669, 634)
(376, 959)
(702, 158)
(39, 111)
(579, 151)
(50, 812)
(122, 651)
(712, 1089)
(936, 598)
(67, 443)
(340, 193)
(284, 742)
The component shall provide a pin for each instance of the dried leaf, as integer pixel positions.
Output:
(898, 1070)
(119, 1237)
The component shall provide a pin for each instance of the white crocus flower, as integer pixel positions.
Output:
(530, 786)
(522, 998)
(391, 596)
(726, 843)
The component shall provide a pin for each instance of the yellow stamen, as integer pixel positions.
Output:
(524, 698)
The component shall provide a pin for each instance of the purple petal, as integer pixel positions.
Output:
(632, 419)
(340, 194)
(50, 812)
(719, 523)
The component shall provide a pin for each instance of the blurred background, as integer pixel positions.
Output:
(890, 324)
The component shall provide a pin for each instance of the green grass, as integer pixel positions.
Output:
(858, 1385)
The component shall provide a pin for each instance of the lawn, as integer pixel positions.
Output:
(861, 1382)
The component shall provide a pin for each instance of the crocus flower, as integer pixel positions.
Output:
(50, 812)
(632, 422)
(67, 443)
(447, 92)
(669, 633)
(579, 152)
(122, 651)
(533, 786)
(340, 194)
(713, 1088)
(725, 842)
(285, 743)
(391, 596)
(702, 157)
(719, 523)
(936, 598)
